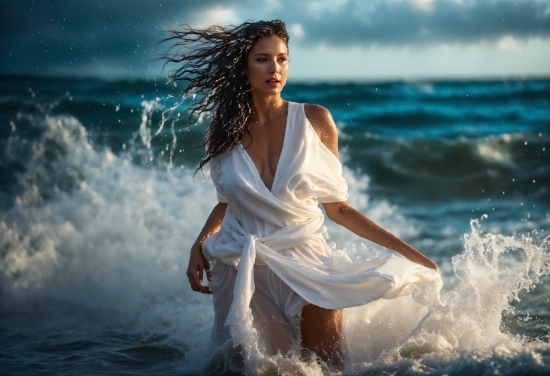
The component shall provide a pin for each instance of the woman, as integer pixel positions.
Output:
(272, 162)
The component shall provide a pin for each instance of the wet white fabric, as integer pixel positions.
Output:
(274, 306)
(283, 229)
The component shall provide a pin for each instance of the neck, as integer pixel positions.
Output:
(266, 108)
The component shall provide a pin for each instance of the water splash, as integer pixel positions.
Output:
(145, 125)
(92, 234)
(494, 271)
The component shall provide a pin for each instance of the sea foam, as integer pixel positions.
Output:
(91, 234)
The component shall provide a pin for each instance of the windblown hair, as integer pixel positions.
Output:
(212, 61)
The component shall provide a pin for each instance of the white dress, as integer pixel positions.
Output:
(271, 254)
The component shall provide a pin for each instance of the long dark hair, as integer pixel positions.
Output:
(212, 61)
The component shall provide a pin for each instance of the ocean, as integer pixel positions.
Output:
(99, 205)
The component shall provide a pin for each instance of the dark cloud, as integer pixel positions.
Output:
(82, 37)
(359, 22)
(90, 37)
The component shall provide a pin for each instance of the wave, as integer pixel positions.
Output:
(508, 165)
(92, 240)
(366, 104)
(492, 91)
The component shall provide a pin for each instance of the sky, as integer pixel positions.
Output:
(330, 40)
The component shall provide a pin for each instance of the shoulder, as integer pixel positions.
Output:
(323, 124)
(219, 160)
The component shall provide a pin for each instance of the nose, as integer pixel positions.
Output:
(274, 66)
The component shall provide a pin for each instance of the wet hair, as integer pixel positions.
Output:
(212, 62)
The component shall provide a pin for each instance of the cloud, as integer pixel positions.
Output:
(508, 43)
(218, 15)
(92, 37)
(89, 36)
(296, 30)
(420, 22)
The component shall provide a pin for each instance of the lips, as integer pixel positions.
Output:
(273, 82)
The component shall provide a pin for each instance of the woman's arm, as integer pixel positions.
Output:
(353, 220)
(197, 262)
(345, 215)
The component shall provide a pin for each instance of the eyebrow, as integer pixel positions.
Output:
(265, 53)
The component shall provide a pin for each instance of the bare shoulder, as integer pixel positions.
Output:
(323, 124)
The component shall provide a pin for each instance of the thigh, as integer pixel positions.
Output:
(223, 282)
(274, 330)
(321, 331)
(276, 311)
(320, 322)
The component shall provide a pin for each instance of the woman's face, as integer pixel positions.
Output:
(267, 67)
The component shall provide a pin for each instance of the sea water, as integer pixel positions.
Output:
(99, 205)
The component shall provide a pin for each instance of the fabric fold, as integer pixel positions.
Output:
(284, 229)
(234, 246)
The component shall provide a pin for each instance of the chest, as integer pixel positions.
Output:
(264, 145)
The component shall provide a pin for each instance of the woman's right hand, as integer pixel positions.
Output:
(429, 263)
(198, 266)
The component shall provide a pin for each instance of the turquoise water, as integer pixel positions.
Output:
(99, 206)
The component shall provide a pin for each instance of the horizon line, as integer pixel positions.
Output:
(299, 81)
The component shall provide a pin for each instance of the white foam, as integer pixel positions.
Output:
(493, 152)
(91, 230)
(493, 271)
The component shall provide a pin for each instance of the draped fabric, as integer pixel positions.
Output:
(283, 228)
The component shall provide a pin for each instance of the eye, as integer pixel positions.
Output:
(261, 59)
